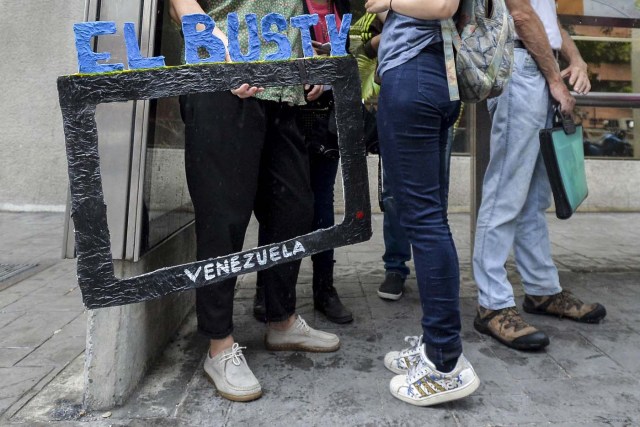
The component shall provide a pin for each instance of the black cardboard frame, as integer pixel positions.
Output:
(79, 96)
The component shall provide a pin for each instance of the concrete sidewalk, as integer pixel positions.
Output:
(589, 375)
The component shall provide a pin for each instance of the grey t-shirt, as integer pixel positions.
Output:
(403, 38)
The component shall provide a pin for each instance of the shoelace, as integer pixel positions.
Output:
(565, 300)
(302, 324)
(234, 356)
(511, 318)
(414, 342)
(417, 371)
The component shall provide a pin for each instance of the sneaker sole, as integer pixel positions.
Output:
(598, 313)
(391, 297)
(445, 396)
(234, 397)
(300, 347)
(397, 371)
(525, 347)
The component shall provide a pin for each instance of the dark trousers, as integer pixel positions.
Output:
(243, 156)
(414, 115)
(323, 177)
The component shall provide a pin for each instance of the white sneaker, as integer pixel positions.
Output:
(231, 375)
(400, 362)
(301, 337)
(423, 385)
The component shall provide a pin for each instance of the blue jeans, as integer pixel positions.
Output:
(516, 192)
(397, 250)
(414, 116)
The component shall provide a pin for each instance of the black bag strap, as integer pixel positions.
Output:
(380, 199)
(564, 121)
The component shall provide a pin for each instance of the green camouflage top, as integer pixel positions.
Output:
(219, 9)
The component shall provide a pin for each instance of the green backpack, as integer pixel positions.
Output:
(483, 62)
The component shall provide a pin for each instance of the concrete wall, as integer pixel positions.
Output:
(122, 342)
(613, 185)
(37, 47)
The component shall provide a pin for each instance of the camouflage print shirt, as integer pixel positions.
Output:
(219, 9)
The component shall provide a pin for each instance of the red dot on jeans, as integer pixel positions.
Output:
(360, 215)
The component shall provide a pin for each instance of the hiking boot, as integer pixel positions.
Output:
(400, 362)
(564, 304)
(231, 375)
(259, 309)
(301, 337)
(424, 385)
(392, 287)
(509, 328)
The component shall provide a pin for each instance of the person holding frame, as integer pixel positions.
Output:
(247, 142)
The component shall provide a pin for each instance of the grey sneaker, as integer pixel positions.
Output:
(400, 362)
(231, 375)
(423, 385)
(392, 287)
(301, 337)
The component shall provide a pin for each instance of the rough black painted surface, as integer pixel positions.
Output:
(79, 95)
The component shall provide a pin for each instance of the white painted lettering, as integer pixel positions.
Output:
(274, 254)
(235, 264)
(262, 260)
(192, 276)
(285, 252)
(248, 263)
(209, 271)
(222, 268)
(298, 248)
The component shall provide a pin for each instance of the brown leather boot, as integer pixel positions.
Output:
(564, 304)
(509, 328)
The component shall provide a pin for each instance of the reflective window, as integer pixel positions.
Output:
(607, 45)
(167, 205)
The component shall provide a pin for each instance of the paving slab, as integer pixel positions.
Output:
(18, 381)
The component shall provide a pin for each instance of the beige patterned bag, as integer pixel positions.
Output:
(483, 62)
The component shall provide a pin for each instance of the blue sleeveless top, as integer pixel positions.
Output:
(403, 38)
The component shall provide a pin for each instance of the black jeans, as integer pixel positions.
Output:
(243, 156)
(323, 177)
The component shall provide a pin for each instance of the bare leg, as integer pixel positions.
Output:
(285, 324)
(217, 346)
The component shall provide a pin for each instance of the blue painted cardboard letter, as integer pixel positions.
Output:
(284, 46)
(134, 57)
(87, 59)
(233, 27)
(194, 39)
(338, 38)
(303, 22)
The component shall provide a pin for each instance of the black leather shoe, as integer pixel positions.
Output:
(328, 303)
(259, 310)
